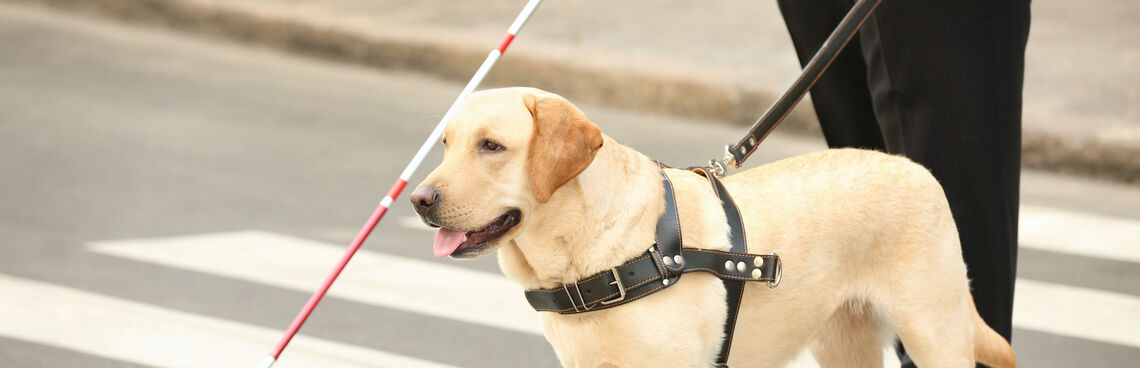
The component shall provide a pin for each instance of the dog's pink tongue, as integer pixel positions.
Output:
(446, 241)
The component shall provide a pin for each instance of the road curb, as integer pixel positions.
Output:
(628, 87)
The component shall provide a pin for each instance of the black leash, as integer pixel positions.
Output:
(735, 154)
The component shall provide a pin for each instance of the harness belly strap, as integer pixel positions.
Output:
(662, 266)
(734, 287)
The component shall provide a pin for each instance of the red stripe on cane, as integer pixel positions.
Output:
(397, 188)
(506, 42)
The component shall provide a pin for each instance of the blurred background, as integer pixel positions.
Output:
(179, 175)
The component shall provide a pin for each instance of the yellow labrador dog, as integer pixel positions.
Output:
(869, 247)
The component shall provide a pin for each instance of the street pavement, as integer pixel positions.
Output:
(718, 61)
(172, 202)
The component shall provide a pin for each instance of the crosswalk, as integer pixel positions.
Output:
(136, 332)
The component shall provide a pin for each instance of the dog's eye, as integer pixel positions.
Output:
(490, 146)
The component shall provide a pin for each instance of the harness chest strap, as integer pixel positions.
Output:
(663, 264)
(647, 274)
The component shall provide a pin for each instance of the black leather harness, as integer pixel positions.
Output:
(662, 266)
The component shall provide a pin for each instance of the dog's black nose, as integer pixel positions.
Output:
(423, 198)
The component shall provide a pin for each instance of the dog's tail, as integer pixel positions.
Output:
(990, 348)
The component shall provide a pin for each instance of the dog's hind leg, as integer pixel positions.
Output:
(936, 338)
(928, 300)
(851, 338)
(921, 284)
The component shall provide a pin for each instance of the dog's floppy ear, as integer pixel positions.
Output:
(563, 144)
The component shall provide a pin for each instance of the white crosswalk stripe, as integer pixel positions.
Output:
(138, 333)
(1077, 312)
(1084, 234)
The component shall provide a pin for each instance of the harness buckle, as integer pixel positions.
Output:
(577, 289)
(621, 288)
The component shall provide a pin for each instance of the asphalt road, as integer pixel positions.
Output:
(171, 201)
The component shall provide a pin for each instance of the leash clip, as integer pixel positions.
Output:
(720, 167)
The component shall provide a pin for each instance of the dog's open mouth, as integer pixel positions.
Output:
(451, 241)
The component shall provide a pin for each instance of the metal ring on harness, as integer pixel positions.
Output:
(779, 272)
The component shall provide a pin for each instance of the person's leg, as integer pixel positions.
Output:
(946, 80)
(840, 96)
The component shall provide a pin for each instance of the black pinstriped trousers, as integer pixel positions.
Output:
(938, 81)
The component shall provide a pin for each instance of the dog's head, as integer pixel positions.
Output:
(506, 153)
